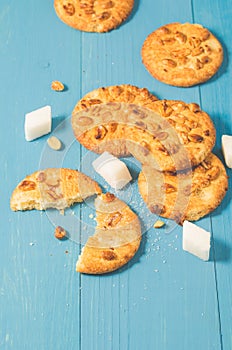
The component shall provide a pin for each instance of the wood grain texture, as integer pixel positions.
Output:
(164, 298)
(214, 96)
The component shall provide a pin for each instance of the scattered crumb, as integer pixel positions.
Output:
(61, 211)
(57, 86)
(66, 251)
(91, 216)
(54, 143)
(60, 232)
(159, 224)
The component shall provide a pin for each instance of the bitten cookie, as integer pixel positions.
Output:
(182, 54)
(178, 135)
(92, 15)
(186, 196)
(116, 239)
(52, 188)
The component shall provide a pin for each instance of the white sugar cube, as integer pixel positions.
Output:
(38, 123)
(227, 149)
(113, 170)
(196, 240)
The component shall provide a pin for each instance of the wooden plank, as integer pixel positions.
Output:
(217, 17)
(39, 299)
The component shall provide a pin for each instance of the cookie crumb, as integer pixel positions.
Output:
(60, 232)
(159, 224)
(57, 86)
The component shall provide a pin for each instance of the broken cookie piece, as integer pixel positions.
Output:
(52, 188)
(116, 239)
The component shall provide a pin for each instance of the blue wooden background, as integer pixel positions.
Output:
(165, 298)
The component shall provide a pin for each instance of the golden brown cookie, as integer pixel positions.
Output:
(177, 134)
(116, 239)
(52, 188)
(186, 196)
(93, 15)
(116, 93)
(182, 54)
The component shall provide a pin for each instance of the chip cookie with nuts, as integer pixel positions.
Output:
(93, 15)
(176, 135)
(182, 54)
(188, 195)
(116, 239)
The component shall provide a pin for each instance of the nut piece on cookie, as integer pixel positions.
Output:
(38, 123)
(227, 149)
(196, 240)
(182, 54)
(113, 170)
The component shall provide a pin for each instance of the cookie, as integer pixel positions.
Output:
(52, 188)
(93, 15)
(116, 93)
(184, 196)
(177, 135)
(182, 54)
(116, 240)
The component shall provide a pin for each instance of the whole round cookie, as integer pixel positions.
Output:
(116, 93)
(185, 196)
(93, 15)
(177, 135)
(182, 54)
